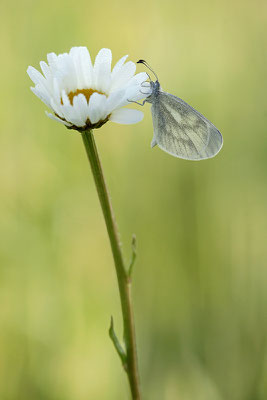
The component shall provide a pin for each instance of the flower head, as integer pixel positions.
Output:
(85, 96)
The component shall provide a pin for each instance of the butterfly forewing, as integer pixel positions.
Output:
(182, 131)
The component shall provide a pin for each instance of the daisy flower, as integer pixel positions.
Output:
(85, 96)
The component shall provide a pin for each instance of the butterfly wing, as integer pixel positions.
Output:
(182, 131)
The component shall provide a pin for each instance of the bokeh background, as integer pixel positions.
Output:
(201, 274)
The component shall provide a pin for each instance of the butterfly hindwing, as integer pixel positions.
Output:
(182, 131)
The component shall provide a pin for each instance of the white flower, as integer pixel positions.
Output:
(85, 96)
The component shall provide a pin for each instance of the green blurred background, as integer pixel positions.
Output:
(201, 275)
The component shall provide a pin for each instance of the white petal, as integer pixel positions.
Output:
(52, 116)
(66, 80)
(56, 91)
(97, 107)
(56, 107)
(66, 73)
(42, 95)
(71, 115)
(118, 66)
(114, 100)
(87, 68)
(122, 77)
(75, 54)
(36, 76)
(80, 107)
(136, 93)
(104, 56)
(52, 59)
(131, 94)
(65, 98)
(126, 116)
(138, 78)
(102, 70)
(68, 113)
(67, 108)
(45, 69)
(41, 83)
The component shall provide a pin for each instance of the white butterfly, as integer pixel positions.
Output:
(179, 129)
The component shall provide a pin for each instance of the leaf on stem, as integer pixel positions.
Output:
(133, 256)
(117, 345)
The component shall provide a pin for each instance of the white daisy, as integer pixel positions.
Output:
(85, 96)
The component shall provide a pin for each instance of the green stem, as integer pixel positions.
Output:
(123, 277)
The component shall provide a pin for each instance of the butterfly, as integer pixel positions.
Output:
(179, 129)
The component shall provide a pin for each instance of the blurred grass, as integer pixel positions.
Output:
(200, 277)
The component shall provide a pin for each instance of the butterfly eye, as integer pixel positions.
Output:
(146, 94)
(145, 84)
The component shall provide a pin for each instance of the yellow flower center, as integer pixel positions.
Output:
(88, 125)
(86, 92)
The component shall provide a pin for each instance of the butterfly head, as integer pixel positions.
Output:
(154, 86)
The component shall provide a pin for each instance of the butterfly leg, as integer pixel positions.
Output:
(136, 102)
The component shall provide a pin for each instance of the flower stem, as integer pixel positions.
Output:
(123, 276)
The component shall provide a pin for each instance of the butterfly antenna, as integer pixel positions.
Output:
(148, 66)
